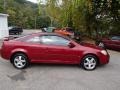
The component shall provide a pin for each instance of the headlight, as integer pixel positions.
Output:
(104, 52)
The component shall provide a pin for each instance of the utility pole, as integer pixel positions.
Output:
(35, 21)
(4, 6)
(51, 21)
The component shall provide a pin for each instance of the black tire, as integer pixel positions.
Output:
(20, 63)
(89, 65)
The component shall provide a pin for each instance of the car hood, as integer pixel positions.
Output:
(90, 45)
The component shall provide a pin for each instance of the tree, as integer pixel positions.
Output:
(71, 13)
(22, 13)
(107, 16)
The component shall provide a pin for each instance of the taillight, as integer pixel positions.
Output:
(9, 38)
(6, 39)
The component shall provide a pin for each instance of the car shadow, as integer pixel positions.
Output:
(116, 50)
(64, 66)
(54, 65)
(18, 76)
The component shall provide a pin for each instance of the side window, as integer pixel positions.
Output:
(35, 39)
(54, 40)
(115, 38)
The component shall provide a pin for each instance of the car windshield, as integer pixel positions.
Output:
(22, 37)
(10, 27)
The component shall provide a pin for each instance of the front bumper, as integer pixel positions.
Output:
(104, 59)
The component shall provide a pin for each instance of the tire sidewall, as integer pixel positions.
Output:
(23, 55)
(82, 63)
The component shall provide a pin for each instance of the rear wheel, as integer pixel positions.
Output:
(89, 62)
(101, 44)
(20, 61)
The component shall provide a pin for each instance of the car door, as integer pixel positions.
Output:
(115, 42)
(58, 50)
(36, 50)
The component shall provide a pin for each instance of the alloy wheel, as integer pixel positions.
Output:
(89, 62)
(20, 61)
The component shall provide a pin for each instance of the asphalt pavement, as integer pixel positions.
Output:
(61, 77)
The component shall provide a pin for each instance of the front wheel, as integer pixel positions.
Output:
(20, 61)
(89, 62)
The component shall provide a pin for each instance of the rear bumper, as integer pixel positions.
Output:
(0, 52)
(3, 55)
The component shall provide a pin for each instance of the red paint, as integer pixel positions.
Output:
(112, 44)
(40, 53)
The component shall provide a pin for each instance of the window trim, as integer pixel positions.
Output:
(115, 38)
(53, 44)
(32, 38)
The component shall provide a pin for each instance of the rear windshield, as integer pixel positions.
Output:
(21, 38)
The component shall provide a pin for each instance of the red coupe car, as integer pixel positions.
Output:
(52, 48)
(110, 43)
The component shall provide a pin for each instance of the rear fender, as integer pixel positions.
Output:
(18, 50)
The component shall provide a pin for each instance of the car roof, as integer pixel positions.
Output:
(40, 34)
(54, 34)
(45, 33)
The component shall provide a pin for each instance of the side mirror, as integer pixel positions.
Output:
(71, 45)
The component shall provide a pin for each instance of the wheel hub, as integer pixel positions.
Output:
(19, 61)
(90, 63)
